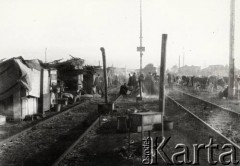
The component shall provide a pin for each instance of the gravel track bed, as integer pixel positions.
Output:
(11, 128)
(230, 104)
(46, 141)
(103, 146)
(226, 122)
(82, 158)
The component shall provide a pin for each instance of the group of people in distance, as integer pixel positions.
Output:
(132, 85)
(150, 83)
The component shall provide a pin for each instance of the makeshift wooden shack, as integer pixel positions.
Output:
(69, 75)
(44, 101)
(19, 89)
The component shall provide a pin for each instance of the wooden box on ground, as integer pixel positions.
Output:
(145, 119)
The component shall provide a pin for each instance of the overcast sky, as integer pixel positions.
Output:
(197, 28)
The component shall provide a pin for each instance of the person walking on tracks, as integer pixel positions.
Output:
(130, 82)
(97, 84)
(149, 84)
(170, 80)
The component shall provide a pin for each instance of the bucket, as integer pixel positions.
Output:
(58, 107)
(121, 124)
(168, 125)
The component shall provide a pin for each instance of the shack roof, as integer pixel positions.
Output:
(71, 64)
(35, 64)
(15, 72)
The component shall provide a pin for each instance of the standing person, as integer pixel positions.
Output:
(109, 79)
(236, 86)
(97, 83)
(134, 78)
(101, 86)
(148, 83)
(130, 82)
(140, 83)
(170, 80)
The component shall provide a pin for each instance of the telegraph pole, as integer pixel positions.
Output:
(231, 51)
(141, 49)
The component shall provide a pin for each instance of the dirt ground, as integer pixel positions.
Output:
(104, 146)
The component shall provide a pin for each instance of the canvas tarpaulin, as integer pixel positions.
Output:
(15, 72)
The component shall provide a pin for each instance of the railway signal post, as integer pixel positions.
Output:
(141, 49)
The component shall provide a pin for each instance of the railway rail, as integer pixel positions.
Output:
(113, 98)
(61, 130)
(62, 139)
(223, 121)
(36, 122)
(207, 101)
(78, 153)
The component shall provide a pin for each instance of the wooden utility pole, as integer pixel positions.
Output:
(231, 51)
(104, 73)
(141, 49)
(161, 82)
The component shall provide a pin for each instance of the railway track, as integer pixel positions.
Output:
(45, 141)
(223, 121)
(35, 122)
(3, 141)
(47, 152)
(112, 99)
(71, 147)
(210, 101)
(78, 153)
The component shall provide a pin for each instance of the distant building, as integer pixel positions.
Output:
(189, 70)
(216, 70)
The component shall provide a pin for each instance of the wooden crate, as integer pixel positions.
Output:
(145, 119)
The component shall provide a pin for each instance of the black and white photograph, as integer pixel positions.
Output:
(119, 82)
